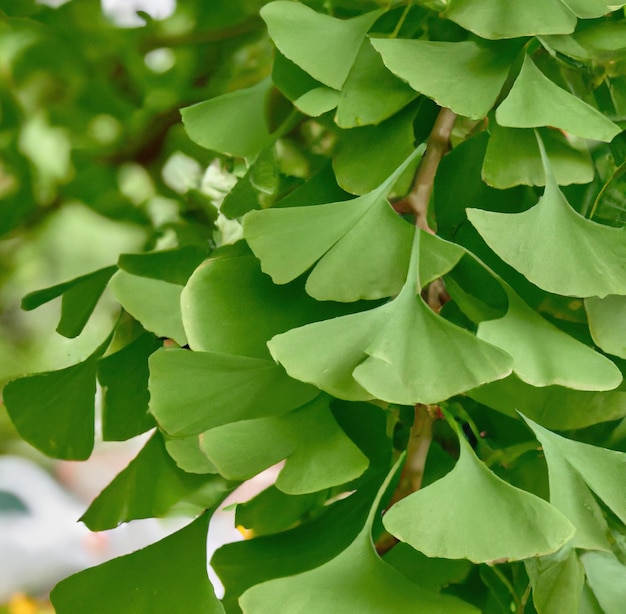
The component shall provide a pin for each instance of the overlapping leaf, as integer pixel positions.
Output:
(323, 46)
(606, 576)
(364, 231)
(191, 392)
(512, 158)
(153, 302)
(169, 576)
(464, 76)
(172, 265)
(471, 513)
(579, 473)
(54, 411)
(318, 453)
(607, 323)
(400, 352)
(534, 101)
(586, 258)
(356, 580)
(543, 355)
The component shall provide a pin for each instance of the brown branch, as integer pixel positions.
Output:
(437, 145)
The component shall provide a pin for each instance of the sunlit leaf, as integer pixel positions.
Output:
(534, 100)
(512, 158)
(80, 296)
(606, 576)
(401, 352)
(607, 323)
(472, 514)
(217, 123)
(166, 577)
(543, 355)
(464, 76)
(356, 580)
(54, 411)
(510, 18)
(590, 9)
(323, 46)
(586, 258)
(188, 454)
(318, 453)
(317, 101)
(191, 392)
(154, 303)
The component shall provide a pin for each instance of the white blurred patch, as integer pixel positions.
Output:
(124, 12)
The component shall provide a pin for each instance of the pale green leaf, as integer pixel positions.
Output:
(590, 9)
(191, 392)
(356, 580)
(557, 581)
(473, 514)
(154, 303)
(360, 102)
(317, 101)
(401, 352)
(576, 470)
(323, 46)
(534, 100)
(543, 355)
(607, 323)
(318, 453)
(606, 576)
(233, 124)
(555, 247)
(169, 576)
(464, 76)
(512, 158)
(366, 230)
(511, 18)
(188, 454)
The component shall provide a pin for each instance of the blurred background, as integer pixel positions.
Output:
(93, 163)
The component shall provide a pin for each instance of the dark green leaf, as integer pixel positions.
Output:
(607, 316)
(173, 266)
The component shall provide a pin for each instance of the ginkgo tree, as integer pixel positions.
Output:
(399, 273)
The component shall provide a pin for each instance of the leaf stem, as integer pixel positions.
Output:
(519, 607)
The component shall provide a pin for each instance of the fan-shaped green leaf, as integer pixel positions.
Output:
(511, 18)
(534, 100)
(80, 296)
(473, 514)
(576, 470)
(585, 258)
(317, 101)
(191, 392)
(512, 158)
(366, 230)
(607, 323)
(400, 352)
(360, 102)
(171, 265)
(149, 487)
(590, 9)
(188, 454)
(318, 453)
(54, 411)
(321, 45)
(606, 576)
(543, 355)
(218, 124)
(154, 303)
(465, 76)
(357, 580)
(169, 576)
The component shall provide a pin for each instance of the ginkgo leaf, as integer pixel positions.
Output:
(356, 580)
(377, 241)
(590, 9)
(512, 158)
(191, 392)
(534, 100)
(317, 101)
(401, 352)
(576, 470)
(165, 577)
(510, 18)
(543, 355)
(465, 76)
(318, 453)
(606, 576)
(323, 46)
(586, 258)
(607, 323)
(360, 102)
(473, 514)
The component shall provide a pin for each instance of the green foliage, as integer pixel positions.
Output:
(383, 246)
